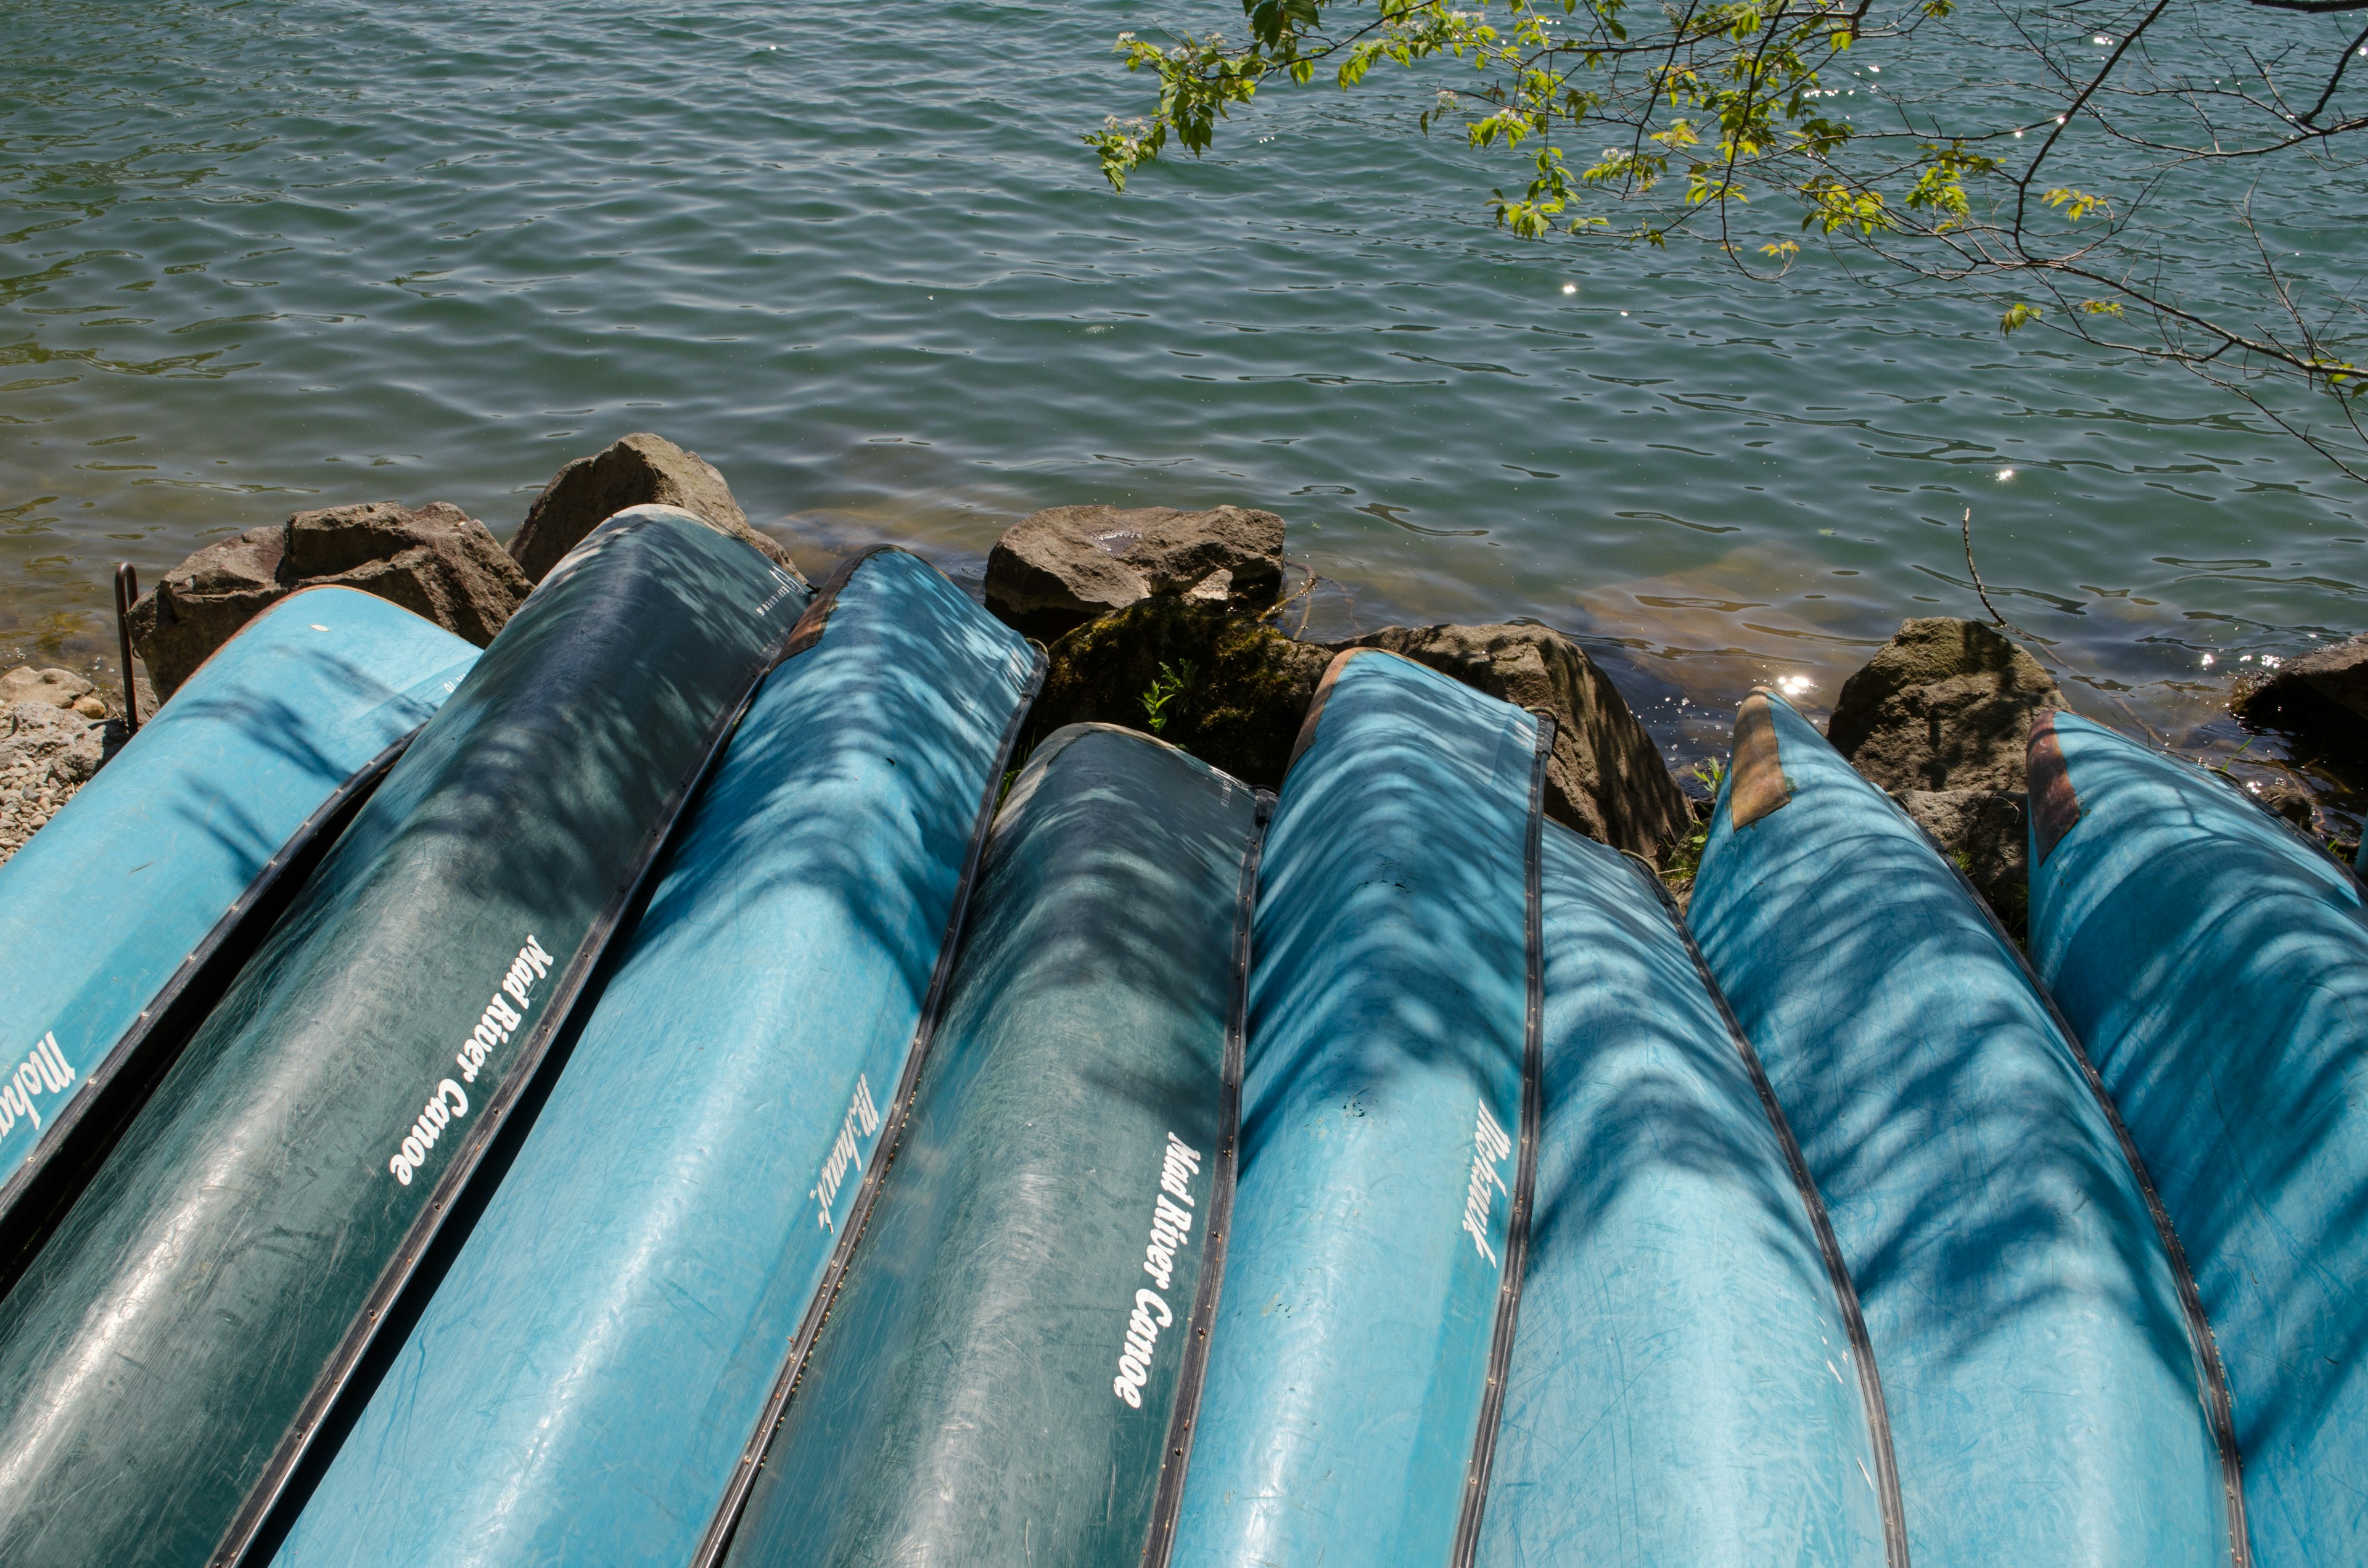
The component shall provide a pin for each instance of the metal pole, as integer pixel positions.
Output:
(127, 590)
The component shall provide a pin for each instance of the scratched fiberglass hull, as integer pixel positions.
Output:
(165, 1358)
(2049, 1389)
(1439, 977)
(2216, 965)
(603, 1352)
(1016, 1341)
(127, 910)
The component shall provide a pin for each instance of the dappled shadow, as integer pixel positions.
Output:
(1386, 1006)
(2218, 968)
(160, 1348)
(2021, 1307)
(1683, 1388)
(957, 1407)
(586, 1378)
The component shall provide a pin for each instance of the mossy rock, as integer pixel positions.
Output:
(1239, 710)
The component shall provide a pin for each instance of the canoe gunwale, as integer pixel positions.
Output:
(237, 1545)
(37, 1194)
(1870, 1375)
(2211, 1374)
(729, 1511)
(1525, 1169)
(1175, 1461)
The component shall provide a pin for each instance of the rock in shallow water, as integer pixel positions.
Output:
(46, 754)
(642, 470)
(2320, 697)
(1055, 570)
(437, 561)
(1945, 704)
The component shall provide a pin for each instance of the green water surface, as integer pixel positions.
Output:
(275, 254)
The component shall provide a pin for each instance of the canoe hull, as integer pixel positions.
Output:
(1001, 1372)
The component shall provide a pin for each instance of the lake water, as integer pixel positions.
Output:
(257, 258)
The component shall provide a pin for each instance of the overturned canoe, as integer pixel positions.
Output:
(599, 1356)
(126, 912)
(166, 1359)
(2216, 965)
(1387, 1102)
(1013, 1353)
(1686, 1384)
(2047, 1386)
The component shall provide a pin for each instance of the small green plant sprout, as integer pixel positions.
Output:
(1159, 697)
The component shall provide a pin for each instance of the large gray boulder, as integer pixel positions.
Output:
(46, 754)
(437, 561)
(1055, 570)
(642, 470)
(1606, 778)
(2320, 698)
(1946, 704)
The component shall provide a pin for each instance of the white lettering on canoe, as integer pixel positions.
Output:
(862, 1121)
(1489, 1147)
(1171, 1228)
(513, 997)
(46, 1071)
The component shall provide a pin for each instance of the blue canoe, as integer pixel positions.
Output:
(1007, 1375)
(2216, 965)
(169, 1357)
(2048, 1386)
(1455, 1014)
(116, 918)
(606, 1354)
(1687, 1385)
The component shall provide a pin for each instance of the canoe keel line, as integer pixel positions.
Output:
(1525, 1175)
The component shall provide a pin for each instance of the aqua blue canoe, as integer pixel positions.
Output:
(168, 1358)
(1688, 1386)
(2049, 1387)
(1520, 1270)
(118, 917)
(1383, 1114)
(1007, 1375)
(606, 1354)
(2216, 965)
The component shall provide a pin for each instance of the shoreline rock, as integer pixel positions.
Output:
(642, 470)
(1055, 570)
(437, 561)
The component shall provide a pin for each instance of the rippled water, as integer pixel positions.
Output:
(257, 258)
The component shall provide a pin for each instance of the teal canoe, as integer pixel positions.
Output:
(2216, 965)
(1008, 1374)
(123, 918)
(166, 1359)
(599, 1358)
(2048, 1391)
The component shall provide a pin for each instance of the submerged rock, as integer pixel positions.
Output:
(642, 470)
(1984, 831)
(1055, 570)
(437, 561)
(58, 689)
(1227, 688)
(1945, 704)
(46, 754)
(1606, 778)
(2320, 698)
